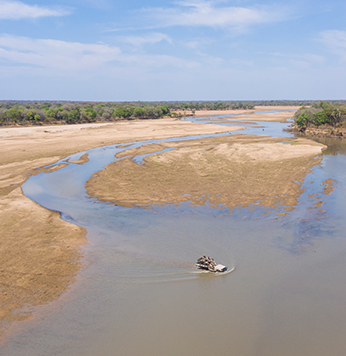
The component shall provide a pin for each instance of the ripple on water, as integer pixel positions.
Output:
(275, 292)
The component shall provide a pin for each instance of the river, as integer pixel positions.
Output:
(138, 293)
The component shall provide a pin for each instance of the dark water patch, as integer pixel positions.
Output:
(335, 146)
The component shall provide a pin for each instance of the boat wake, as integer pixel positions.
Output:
(216, 274)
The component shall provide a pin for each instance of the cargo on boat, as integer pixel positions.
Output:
(208, 263)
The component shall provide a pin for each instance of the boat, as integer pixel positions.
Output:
(207, 263)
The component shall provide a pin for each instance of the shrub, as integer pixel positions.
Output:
(320, 118)
(303, 120)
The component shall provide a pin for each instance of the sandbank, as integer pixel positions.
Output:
(232, 171)
(40, 254)
(274, 117)
(239, 111)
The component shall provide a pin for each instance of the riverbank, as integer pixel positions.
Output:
(40, 254)
(320, 131)
(199, 113)
(139, 272)
(62, 126)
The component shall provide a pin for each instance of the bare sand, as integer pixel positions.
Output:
(238, 111)
(232, 171)
(40, 254)
(277, 117)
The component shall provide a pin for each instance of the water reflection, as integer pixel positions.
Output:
(336, 146)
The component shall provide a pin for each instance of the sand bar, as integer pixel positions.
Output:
(240, 111)
(232, 171)
(39, 252)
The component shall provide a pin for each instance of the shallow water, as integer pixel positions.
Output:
(140, 295)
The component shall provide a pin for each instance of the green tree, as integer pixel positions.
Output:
(89, 113)
(122, 112)
(303, 120)
(73, 116)
(32, 116)
(45, 106)
(139, 112)
(150, 112)
(336, 116)
(165, 110)
(13, 115)
(320, 118)
(52, 113)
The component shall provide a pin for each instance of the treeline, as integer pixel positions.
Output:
(233, 105)
(66, 112)
(39, 113)
(26, 113)
(210, 105)
(321, 113)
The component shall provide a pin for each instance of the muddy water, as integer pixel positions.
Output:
(140, 295)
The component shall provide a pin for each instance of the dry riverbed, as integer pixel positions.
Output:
(40, 254)
(237, 170)
(258, 109)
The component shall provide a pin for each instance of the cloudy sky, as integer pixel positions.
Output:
(133, 50)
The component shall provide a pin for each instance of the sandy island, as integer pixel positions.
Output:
(231, 171)
(40, 254)
(282, 116)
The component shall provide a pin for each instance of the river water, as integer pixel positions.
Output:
(139, 294)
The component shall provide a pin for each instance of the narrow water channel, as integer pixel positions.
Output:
(139, 294)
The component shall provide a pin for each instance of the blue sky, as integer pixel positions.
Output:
(133, 50)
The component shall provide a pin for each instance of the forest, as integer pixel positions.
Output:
(15, 113)
(323, 113)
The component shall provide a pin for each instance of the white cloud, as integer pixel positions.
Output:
(161, 61)
(64, 56)
(336, 41)
(192, 44)
(206, 13)
(55, 54)
(16, 10)
(150, 38)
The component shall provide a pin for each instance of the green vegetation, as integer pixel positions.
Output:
(323, 113)
(68, 112)
(36, 113)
